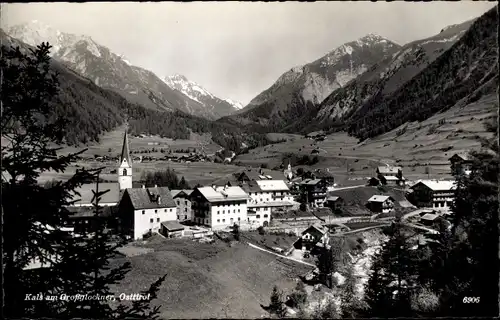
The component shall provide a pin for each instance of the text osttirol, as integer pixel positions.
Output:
(135, 296)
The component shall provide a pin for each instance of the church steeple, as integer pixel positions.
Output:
(125, 165)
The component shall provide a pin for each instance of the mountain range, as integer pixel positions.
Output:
(113, 71)
(367, 87)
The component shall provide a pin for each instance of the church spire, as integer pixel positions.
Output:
(125, 151)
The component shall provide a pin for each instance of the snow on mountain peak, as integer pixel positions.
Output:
(235, 104)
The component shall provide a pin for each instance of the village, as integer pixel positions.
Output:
(290, 214)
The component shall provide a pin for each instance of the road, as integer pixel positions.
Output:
(279, 255)
(421, 228)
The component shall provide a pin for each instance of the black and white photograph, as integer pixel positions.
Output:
(249, 160)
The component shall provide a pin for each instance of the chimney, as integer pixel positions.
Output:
(144, 186)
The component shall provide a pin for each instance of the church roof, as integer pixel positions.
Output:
(125, 151)
(147, 198)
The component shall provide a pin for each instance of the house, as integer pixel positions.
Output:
(390, 175)
(325, 175)
(172, 229)
(381, 204)
(373, 182)
(461, 163)
(255, 175)
(181, 198)
(316, 135)
(313, 192)
(264, 197)
(334, 202)
(219, 207)
(436, 194)
(314, 235)
(142, 210)
(83, 219)
(429, 219)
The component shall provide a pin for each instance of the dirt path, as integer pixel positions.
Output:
(279, 255)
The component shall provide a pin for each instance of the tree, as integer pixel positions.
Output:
(183, 184)
(277, 305)
(236, 232)
(326, 265)
(299, 296)
(163, 178)
(33, 215)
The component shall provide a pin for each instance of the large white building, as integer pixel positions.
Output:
(438, 194)
(142, 210)
(219, 207)
(264, 196)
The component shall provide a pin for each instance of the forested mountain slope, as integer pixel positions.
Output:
(91, 110)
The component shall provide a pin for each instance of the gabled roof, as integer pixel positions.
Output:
(125, 152)
(272, 185)
(86, 194)
(379, 198)
(223, 194)
(180, 193)
(173, 225)
(251, 187)
(318, 227)
(310, 182)
(145, 198)
(333, 198)
(254, 174)
(461, 156)
(437, 185)
(429, 216)
(387, 170)
(391, 178)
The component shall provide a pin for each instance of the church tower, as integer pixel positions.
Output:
(125, 168)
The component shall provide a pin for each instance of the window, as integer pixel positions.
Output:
(258, 209)
(234, 211)
(143, 211)
(238, 210)
(151, 220)
(239, 219)
(124, 172)
(178, 202)
(185, 217)
(223, 211)
(223, 220)
(185, 203)
(218, 212)
(265, 216)
(156, 211)
(177, 217)
(164, 210)
(185, 209)
(218, 220)
(170, 210)
(258, 216)
(157, 219)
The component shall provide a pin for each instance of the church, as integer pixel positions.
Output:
(134, 211)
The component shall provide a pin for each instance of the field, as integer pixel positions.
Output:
(283, 241)
(414, 146)
(111, 144)
(209, 280)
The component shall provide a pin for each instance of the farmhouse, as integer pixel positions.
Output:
(390, 175)
(381, 204)
(313, 192)
(313, 236)
(326, 175)
(181, 198)
(461, 163)
(219, 207)
(438, 194)
(82, 219)
(253, 175)
(142, 210)
(334, 202)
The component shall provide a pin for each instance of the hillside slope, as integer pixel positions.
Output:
(388, 75)
(109, 70)
(299, 89)
(91, 110)
(462, 74)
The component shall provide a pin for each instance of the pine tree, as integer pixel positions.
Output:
(33, 215)
(277, 305)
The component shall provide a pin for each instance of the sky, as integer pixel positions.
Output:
(238, 49)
